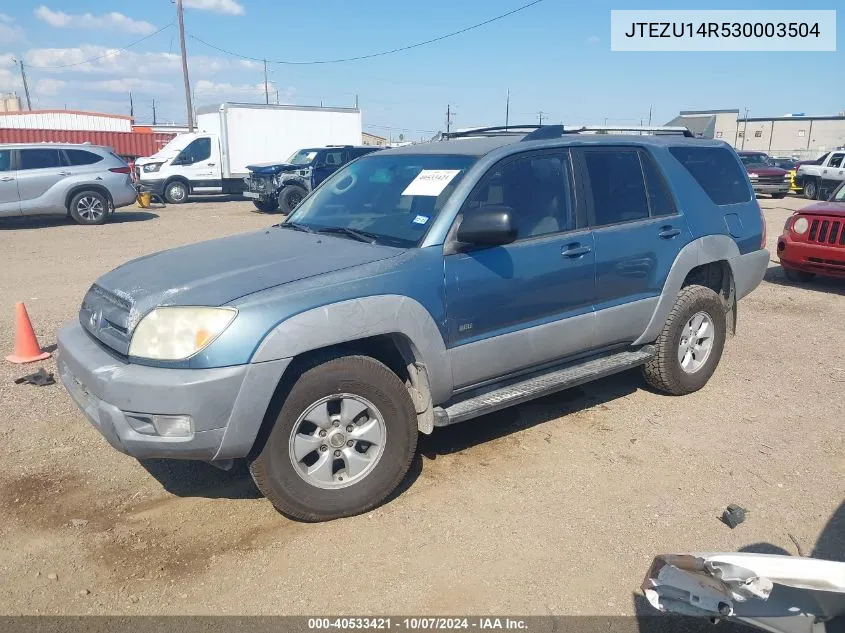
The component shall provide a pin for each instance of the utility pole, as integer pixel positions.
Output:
(649, 115)
(190, 107)
(745, 128)
(131, 106)
(25, 86)
(266, 88)
(540, 117)
(277, 97)
(154, 112)
(356, 101)
(507, 108)
(448, 118)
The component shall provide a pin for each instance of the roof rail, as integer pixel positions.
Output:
(554, 131)
(495, 130)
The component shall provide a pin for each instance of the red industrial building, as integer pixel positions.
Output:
(70, 126)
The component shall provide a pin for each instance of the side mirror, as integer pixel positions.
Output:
(181, 159)
(319, 165)
(488, 226)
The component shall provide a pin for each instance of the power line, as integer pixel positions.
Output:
(108, 54)
(371, 55)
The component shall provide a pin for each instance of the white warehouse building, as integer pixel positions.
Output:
(795, 135)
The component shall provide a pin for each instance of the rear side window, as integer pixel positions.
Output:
(82, 157)
(659, 197)
(5, 160)
(717, 171)
(617, 186)
(40, 158)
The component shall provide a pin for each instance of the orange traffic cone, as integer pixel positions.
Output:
(27, 349)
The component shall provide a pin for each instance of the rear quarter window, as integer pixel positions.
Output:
(82, 157)
(717, 171)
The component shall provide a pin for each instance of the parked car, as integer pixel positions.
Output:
(282, 186)
(813, 240)
(85, 182)
(791, 167)
(819, 179)
(765, 176)
(419, 287)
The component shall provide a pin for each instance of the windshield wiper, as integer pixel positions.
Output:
(296, 226)
(361, 236)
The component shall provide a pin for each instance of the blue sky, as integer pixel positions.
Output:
(554, 57)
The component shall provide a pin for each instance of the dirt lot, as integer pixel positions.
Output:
(555, 507)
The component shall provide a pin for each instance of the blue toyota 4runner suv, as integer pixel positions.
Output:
(419, 287)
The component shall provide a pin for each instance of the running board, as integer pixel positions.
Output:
(525, 388)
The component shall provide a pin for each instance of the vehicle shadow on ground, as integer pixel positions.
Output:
(459, 437)
(775, 275)
(650, 620)
(198, 198)
(40, 222)
(188, 478)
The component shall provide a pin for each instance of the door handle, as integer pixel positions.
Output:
(668, 233)
(575, 251)
(6, 179)
(65, 173)
(211, 164)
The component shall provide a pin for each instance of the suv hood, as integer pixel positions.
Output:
(219, 271)
(836, 209)
(274, 168)
(766, 171)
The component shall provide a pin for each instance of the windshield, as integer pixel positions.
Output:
(302, 157)
(177, 144)
(755, 160)
(784, 163)
(393, 198)
(839, 193)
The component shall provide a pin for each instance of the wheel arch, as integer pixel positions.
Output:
(77, 189)
(705, 261)
(177, 178)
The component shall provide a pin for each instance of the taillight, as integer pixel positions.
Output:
(121, 170)
(763, 222)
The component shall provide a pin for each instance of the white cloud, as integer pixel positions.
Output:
(10, 33)
(112, 21)
(253, 92)
(229, 7)
(593, 39)
(7, 60)
(112, 61)
(49, 87)
(129, 84)
(9, 81)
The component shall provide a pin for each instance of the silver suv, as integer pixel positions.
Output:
(86, 182)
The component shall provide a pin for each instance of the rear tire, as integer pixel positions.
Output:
(665, 371)
(176, 192)
(811, 189)
(798, 275)
(305, 437)
(89, 207)
(266, 206)
(290, 197)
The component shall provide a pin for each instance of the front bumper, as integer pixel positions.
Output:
(769, 188)
(812, 258)
(227, 404)
(155, 187)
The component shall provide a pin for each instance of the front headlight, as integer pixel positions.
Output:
(800, 226)
(179, 332)
(151, 168)
(753, 176)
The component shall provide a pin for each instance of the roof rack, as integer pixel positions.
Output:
(542, 132)
(555, 131)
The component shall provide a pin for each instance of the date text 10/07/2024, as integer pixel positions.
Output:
(418, 623)
(723, 29)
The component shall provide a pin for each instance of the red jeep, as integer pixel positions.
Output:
(813, 240)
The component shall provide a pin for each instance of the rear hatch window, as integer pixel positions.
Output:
(717, 171)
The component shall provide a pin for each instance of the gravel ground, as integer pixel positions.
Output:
(557, 506)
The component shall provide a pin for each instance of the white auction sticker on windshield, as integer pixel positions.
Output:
(430, 182)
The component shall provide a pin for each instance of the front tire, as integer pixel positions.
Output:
(290, 197)
(691, 343)
(342, 442)
(778, 196)
(89, 207)
(797, 276)
(266, 206)
(176, 192)
(811, 189)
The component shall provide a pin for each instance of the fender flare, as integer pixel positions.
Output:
(361, 318)
(704, 250)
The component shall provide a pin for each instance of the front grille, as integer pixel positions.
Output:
(259, 185)
(771, 180)
(107, 317)
(827, 231)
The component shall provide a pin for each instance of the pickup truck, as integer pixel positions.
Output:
(819, 180)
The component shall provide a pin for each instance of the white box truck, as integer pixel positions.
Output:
(231, 136)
